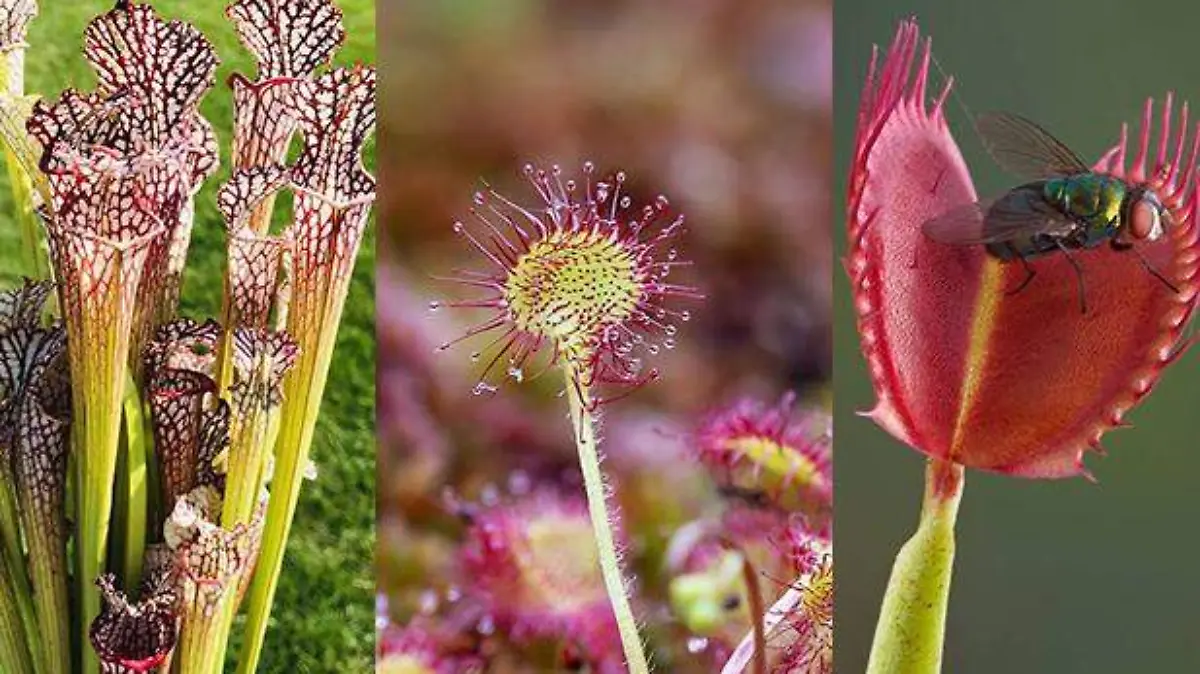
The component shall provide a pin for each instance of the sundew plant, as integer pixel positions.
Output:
(150, 463)
(587, 284)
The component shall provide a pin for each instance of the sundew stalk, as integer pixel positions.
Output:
(602, 524)
(912, 622)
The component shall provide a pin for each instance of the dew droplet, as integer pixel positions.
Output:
(527, 169)
(556, 169)
(588, 167)
(453, 594)
(519, 482)
(489, 495)
(458, 228)
(685, 316)
(626, 201)
(479, 199)
(661, 202)
(435, 305)
(429, 602)
(442, 347)
(475, 356)
(672, 254)
(670, 330)
(517, 374)
(652, 349)
(697, 645)
(620, 176)
(602, 192)
(570, 185)
(669, 343)
(486, 625)
(482, 388)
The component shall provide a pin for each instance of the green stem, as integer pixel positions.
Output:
(14, 651)
(14, 558)
(27, 220)
(12, 74)
(132, 489)
(593, 482)
(912, 622)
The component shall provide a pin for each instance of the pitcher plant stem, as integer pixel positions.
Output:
(912, 621)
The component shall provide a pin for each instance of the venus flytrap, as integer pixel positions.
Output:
(946, 340)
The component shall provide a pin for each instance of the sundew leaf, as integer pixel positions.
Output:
(289, 38)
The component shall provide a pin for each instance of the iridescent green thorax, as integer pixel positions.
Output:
(1091, 198)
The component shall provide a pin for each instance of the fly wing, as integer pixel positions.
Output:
(1025, 149)
(1018, 214)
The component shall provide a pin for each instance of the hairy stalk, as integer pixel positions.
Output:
(593, 480)
(912, 622)
(14, 651)
(754, 590)
(132, 488)
(748, 649)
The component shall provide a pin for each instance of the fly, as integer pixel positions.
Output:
(1065, 207)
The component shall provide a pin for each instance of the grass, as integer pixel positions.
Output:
(323, 619)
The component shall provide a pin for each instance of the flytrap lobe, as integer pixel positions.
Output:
(170, 424)
(948, 344)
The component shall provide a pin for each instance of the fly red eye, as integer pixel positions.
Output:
(1144, 222)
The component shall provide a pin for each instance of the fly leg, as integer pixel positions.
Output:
(1078, 274)
(1146, 263)
(1029, 272)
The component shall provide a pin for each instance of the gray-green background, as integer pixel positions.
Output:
(1050, 576)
